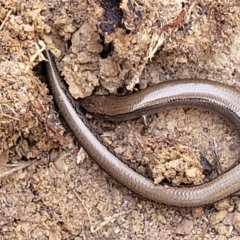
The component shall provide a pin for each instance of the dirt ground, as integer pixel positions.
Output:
(49, 187)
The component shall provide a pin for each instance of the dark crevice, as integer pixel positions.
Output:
(107, 48)
(121, 90)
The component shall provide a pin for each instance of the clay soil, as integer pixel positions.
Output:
(49, 187)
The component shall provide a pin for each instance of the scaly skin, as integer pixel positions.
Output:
(189, 92)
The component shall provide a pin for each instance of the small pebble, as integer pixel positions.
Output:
(222, 205)
(228, 220)
(217, 217)
(235, 238)
(197, 212)
(81, 156)
(222, 237)
(238, 205)
(236, 221)
(185, 227)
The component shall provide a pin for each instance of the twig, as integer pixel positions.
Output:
(177, 21)
(5, 115)
(39, 51)
(19, 167)
(108, 220)
(8, 14)
(105, 222)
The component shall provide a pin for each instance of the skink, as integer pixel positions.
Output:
(213, 96)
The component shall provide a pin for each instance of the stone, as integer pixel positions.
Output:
(217, 217)
(185, 227)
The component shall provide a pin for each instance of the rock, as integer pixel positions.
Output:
(222, 205)
(217, 217)
(223, 230)
(81, 156)
(185, 227)
(197, 212)
(222, 237)
(238, 205)
(228, 220)
(100, 206)
(235, 238)
(236, 221)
